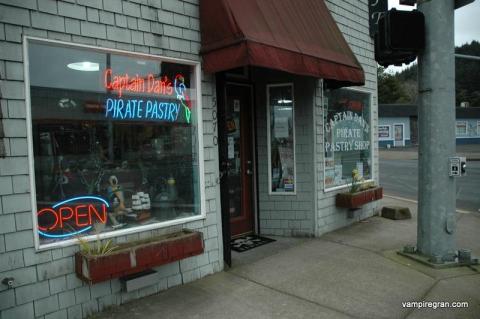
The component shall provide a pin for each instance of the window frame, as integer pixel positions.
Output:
(456, 128)
(120, 232)
(269, 147)
(372, 139)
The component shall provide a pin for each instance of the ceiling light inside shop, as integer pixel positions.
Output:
(284, 101)
(84, 66)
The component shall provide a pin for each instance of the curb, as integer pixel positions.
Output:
(461, 211)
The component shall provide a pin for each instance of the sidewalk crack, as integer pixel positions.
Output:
(412, 310)
(294, 296)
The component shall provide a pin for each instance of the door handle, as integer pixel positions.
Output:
(249, 168)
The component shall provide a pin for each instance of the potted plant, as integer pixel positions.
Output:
(100, 261)
(359, 194)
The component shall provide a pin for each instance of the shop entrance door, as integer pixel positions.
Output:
(236, 159)
(399, 135)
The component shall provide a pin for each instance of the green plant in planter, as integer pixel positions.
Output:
(367, 185)
(96, 247)
(356, 180)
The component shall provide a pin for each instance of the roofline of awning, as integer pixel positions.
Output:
(227, 43)
(238, 51)
(236, 34)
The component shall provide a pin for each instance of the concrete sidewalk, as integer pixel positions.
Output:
(350, 273)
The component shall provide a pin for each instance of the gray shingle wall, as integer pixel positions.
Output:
(45, 283)
(287, 215)
(293, 215)
(352, 19)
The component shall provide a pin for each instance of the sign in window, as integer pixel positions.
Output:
(281, 139)
(347, 136)
(115, 141)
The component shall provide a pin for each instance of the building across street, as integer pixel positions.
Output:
(398, 125)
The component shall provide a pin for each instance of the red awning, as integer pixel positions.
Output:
(296, 36)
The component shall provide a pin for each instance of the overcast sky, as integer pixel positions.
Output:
(467, 23)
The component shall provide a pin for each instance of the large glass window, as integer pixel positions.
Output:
(347, 133)
(115, 141)
(281, 139)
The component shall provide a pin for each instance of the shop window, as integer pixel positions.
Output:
(114, 139)
(384, 132)
(478, 128)
(347, 136)
(461, 128)
(281, 139)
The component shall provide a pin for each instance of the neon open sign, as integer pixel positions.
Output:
(146, 109)
(79, 211)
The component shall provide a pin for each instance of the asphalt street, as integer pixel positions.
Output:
(400, 178)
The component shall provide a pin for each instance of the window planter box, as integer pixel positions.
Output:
(357, 200)
(134, 257)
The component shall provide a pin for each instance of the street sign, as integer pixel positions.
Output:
(377, 9)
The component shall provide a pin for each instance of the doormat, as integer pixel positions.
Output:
(248, 242)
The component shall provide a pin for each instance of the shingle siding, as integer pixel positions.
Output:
(45, 284)
(287, 215)
(352, 19)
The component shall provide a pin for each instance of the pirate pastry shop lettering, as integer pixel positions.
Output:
(141, 109)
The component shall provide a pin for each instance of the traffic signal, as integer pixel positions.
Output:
(458, 3)
(408, 2)
(461, 3)
(400, 36)
(405, 30)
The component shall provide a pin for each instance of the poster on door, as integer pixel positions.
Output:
(281, 127)
(286, 163)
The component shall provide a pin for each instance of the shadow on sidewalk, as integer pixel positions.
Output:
(353, 272)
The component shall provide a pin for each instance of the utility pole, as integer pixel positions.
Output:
(436, 118)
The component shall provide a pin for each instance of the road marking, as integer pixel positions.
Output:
(461, 211)
(401, 198)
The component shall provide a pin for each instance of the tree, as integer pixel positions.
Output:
(390, 89)
(402, 86)
(467, 77)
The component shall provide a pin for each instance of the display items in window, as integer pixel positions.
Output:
(115, 142)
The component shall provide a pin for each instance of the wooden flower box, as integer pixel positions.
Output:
(134, 257)
(358, 199)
